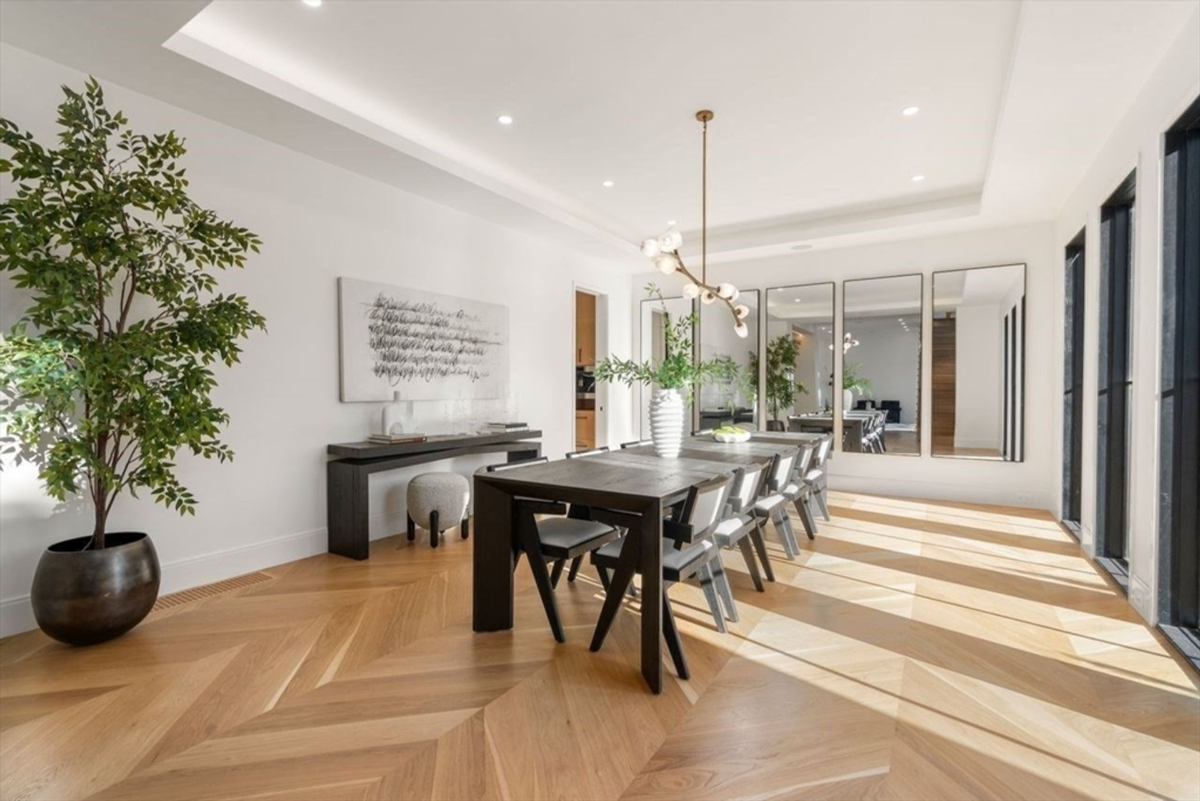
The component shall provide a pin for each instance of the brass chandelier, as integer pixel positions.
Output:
(664, 250)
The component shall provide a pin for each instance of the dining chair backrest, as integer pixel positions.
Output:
(637, 443)
(500, 468)
(803, 459)
(748, 486)
(704, 504)
(588, 452)
(823, 451)
(781, 470)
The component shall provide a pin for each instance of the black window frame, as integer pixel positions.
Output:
(1179, 390)
(1074, 317)
(1115, 380)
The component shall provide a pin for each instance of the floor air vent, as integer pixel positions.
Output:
(209, 590)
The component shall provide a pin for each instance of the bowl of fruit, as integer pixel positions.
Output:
(731, 434)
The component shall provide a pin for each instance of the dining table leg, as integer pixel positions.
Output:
(652, 588)
(494, 552)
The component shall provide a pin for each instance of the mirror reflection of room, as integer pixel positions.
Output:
(978, 362)
(799, 355)
(655, 316)
(881, 365)
(731, 397)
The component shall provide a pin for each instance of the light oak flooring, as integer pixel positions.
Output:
(915, 650)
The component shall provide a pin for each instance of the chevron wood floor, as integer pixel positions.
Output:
(916, 650)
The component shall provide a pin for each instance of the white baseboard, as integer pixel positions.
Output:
(16, 614)
(1141, 599)
(939, 491)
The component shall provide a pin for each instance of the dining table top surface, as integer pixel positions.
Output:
(639, 472)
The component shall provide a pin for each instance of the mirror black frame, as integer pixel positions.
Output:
(754, 344)
(643, 398)
(764, 340)
(841, 360)
(1018, 398)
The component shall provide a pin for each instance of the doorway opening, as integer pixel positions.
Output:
(591, 345)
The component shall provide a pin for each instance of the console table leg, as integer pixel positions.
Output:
(520, 456)
(346, 498)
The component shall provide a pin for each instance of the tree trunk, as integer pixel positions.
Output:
(101, 507)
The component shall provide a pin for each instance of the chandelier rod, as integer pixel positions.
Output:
(704, 116)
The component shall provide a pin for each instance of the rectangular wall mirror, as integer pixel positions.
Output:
(654, 319)
(979, 363)
(881, 365)
(798, 388)
(733, 396)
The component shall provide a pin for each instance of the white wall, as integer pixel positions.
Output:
(1137, 142)
(317, 222)
(1032, 483)
(978, 387)
(887, 356)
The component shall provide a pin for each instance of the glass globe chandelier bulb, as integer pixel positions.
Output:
(740, 311)
(736, 294)
(707, 296)
(671, 241)
(741, 330)
(650, 248)
(691, 291)
(726, 290)
(666, 264)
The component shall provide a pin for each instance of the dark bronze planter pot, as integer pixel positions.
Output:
(86, 597)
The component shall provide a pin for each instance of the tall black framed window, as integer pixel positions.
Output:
(1115, 383)
(1179, 430)
(1073, 384)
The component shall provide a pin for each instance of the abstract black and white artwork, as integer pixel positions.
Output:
(424, 345)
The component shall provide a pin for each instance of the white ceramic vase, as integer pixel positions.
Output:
(666, 422)
(392, 414)
(847, 400)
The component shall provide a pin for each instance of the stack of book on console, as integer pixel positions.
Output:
(505, 428)
(397, 439)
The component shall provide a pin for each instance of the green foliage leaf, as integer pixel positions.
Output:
(108, 373)
(677, 370)
(782, 386)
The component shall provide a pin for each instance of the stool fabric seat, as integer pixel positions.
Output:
(441, 499)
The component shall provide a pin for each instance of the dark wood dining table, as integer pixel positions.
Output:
(633, 481)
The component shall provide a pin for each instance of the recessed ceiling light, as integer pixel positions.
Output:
(911, 111)
(311, 3)
(608, 184)
(918, 178)
(503, 119)
(670, 223)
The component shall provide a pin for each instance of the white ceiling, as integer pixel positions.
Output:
(808, 144)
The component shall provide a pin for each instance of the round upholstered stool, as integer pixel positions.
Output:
(441, 499)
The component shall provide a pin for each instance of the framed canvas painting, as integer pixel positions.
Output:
(423, 345)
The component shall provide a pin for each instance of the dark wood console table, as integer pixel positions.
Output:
(348, 472)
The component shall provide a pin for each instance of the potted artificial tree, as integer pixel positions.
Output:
(853, 381)
(107, 374)
(782, 386)
(673, 379)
